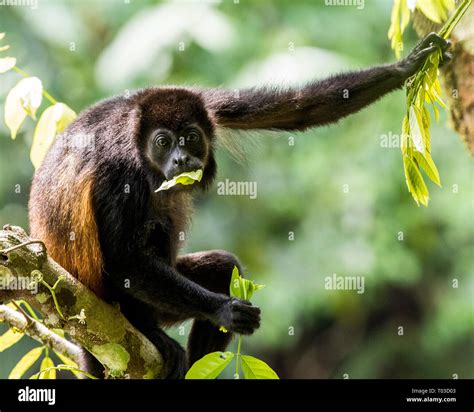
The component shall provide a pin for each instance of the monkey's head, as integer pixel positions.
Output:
(177, 135)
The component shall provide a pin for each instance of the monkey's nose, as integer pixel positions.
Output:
(181, 160)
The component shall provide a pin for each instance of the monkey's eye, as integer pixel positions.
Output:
(162, 141)
(193, 136)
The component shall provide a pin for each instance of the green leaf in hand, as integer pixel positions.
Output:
(186, 178)
(242, 288)
(210, 366)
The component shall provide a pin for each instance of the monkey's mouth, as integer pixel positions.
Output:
(183, 179)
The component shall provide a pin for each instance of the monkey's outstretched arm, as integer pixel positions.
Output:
(164, 288)
(317, 103)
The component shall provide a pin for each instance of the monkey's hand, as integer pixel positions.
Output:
(412, 63)
(238, 316)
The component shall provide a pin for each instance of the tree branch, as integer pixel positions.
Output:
(105, 332)
(42, 334)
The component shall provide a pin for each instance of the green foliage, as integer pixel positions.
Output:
(422, 88)
(210, 366)
(242, 288)
(254, 368)
(23, 100)
(435, 10)
(213, 364)
(6, 63)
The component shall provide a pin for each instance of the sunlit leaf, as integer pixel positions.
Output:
(25, 363)
(210, 366)
(416, 131)
(46, 363)
(404, 15)
(426, 162)
(405, 135)
(3, 48)
(24, 99)
(7, 63)
(242, 288)
(63, 115)
(237, 288)
(436, 113)
(415, 182)
(434, 10)
(254, 368)
(187, 178)
(9, 338)
(53, 121)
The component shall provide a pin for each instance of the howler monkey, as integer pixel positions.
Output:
(94, 205)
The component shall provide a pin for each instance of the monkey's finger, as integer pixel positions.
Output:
(247, 317)
(446, 58)
(245, 302)
(449, 43)
(252, 310)
(436, 40)
(244, 305)
(425, 52)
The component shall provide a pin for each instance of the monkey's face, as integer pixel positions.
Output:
(173, 153)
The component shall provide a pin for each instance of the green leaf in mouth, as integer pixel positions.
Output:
(186, 178)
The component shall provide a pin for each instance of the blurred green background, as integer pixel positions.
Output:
(340, 193)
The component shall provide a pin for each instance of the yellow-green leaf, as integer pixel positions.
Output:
(186, 178)
(3, 48)
(428, 165)
(254, 368)
(434, 10)
(448, 4)
(9, 338)
(7, 63)
(415, 182)
(404, 15)
(398, 23)
(25, 363)
(210, 366)
(24, 99)
(436, 113)
(237, 288)
(45, 364)
(405, 135)
(63, 115)
(53, 120)
(416, 128)
(242, 288)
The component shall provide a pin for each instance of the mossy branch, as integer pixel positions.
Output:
(95, 325)
(43, 335)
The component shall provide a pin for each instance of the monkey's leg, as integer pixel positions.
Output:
(212, 270)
